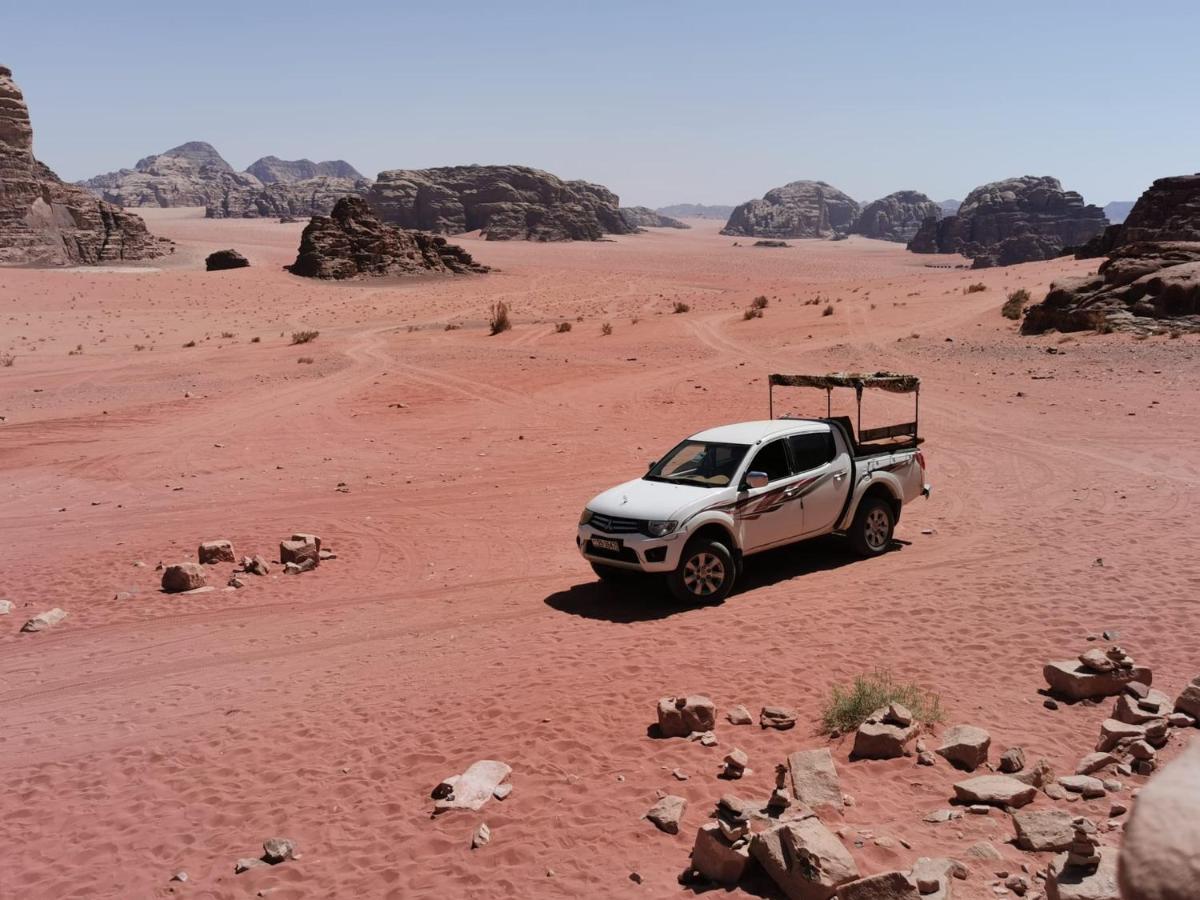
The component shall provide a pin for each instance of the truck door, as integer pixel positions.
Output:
(823, 464)
(772, 514)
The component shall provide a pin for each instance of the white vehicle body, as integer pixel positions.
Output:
(645, 524)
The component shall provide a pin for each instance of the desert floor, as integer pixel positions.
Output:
(151, 733)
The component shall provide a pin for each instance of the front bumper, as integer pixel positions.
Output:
(637, 552)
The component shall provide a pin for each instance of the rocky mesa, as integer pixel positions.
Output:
(44, 221)
(273, 170)
(1013, 221)
(801, 209)
(503, 202)
(643, 217)
(896, 217)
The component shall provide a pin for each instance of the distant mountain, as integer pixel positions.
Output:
(1118, 210)
(273, 170)
(950, 207)
(639, 218)
(695, 211)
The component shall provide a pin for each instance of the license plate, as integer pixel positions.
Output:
(603, 544)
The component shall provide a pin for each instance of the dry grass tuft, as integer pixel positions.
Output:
(849, 706)
(304, 337)
(1015, 304)
(499, 321)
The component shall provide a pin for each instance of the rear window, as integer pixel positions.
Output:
(811, 451)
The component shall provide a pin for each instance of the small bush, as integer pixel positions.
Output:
(759, 302)
(304, 337)
(190, 344)
(256, 340)
(1015, 304)
(562, 327)
(499, 321)
(1105, 328)
(227, 334)
(975, 288)
(828, 310)
(606, 329)
(849, 706)
(451, 326)
(753, 312)
(305, 360)
(681, 307)
(634, 320)
(7, 359)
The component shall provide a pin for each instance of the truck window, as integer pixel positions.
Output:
(773, 460)
(810, 451)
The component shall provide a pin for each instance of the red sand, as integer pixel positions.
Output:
(155, 733)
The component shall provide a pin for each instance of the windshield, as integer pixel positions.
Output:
(700, 463)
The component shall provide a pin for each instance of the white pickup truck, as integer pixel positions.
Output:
(729, 492)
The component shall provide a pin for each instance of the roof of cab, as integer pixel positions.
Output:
(753, 432)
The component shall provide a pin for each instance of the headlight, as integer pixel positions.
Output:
(585, 516)
(658, 529)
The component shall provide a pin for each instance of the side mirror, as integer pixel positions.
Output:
(756, 480)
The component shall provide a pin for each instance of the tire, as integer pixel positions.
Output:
(874, 523)
(706, 573)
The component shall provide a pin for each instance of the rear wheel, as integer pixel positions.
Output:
(706, 573)
(871, 533)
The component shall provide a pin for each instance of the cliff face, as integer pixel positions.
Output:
(896, 217)
(1013, 221)
(273, 170)
(801, 209)
(638, 217)
(44, 221)
(504, 202)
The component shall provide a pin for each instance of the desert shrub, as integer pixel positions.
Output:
(681, 307)
(828, 310)
(499, 321)
(752, 312)
(759, 302)
(227, 334)
(1015, 304)
(975, 288)
(606, 329)
(304, 337)
(562, 327)
(7, 359)
(305, 360)
(451, 326)
(634, 320)
(1105, 328)
(256, 340)
(190, 344)
(849, 706)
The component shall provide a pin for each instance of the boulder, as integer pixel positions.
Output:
(1012, 760)
(503, 202)
(1043, 830)
(739, 715)
(183, 577)
(639, 217)
(1089, 787)
(884, 886)
(681, 716)
(813, 778)
(801, 209)
(215, 552)
(932, 876)
(1041, 775)
(278, 849)
(299, 551)
(667, 812)
(1159, 859)
(352, 241)
(804, 859)
(1099, 882)
(44, 620)
(1113, 733)
(255, 565)
(1072, 680)
(1017, 220)
(1188, 701)
(885, 734)
(736, 763)
(46, 222)
(473, 788)
(896, 217)
(1139, 711)
(780, 718)
(965, 747)
(716, 858)
(225, 259)
(995, 790)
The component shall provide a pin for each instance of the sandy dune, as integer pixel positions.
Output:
(152, 733)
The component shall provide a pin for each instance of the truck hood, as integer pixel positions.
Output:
(642, 499)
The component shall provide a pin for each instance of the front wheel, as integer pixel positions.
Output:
(871, 533)
(705, 573)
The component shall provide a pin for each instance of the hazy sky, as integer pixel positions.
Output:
(661, 101)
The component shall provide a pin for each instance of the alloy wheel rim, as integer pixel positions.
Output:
(704, 574)
(877, 529)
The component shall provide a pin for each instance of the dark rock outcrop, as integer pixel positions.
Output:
(1017, 220)
(503, 202)
(273, 170)
(282, 199)
(644, 217)
(696, 211)
(352, 241)
(44, 221)
(896, 217)
(1169, 210)
(225, 259)
(801, 209)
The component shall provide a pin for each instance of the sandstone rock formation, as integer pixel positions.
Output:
(1013, 221)
(643, 217)
(351, 241)
(696, 211)
(504, 202)
(273, 170)
(44, 221)
(896, 217)
(225, 259)
(801, 209)
(287, 199)
(1169, 210)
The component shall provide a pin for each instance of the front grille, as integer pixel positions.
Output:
(625, 554)
(614, 525)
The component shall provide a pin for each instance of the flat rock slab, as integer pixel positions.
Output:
(42, 621)
(965, 747)
(804, 858)
(667, 812)
(884, 886)
(996, 790)
(1086, 785)
(716, 858)
(813, 777)
(1044, 830)
(474, 787)
(1070, 883)
(1071, 680)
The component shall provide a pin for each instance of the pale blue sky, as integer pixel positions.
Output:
(663, 102)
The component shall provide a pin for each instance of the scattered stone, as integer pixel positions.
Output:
(235, 581)
(925, 758)
(1039, 776)
(1111, 785)
(997, 790)
(243, 865)
(1094, 762)
(6, 607)
(1188, 701)
(942, 815)
(706, 738)
(1175, 719)
(778, 717)
(1043, 830)
(1084, 850)
(1056, 791)
(44, 620)
(1112, 733)
(736, 762)
(306, 565)
(885, 734)
(1098, 882)
(1017, 884)
(984, 850)
(932, 876)
(884, 886)
(183, 577)
(813, 778)
(472, 788)
(979, 809)
(501, 791)
(179, 876)
(739, 715)
(482, 836)
(1086, 785)
(1117, 809)
(804, 858)
(679, 775)
(298, 551)
(667, 812)
(1050, 703)
(1140, 710)
(1075, 681)
(681, 716)
(965, 747)
(211, 552)
(277, 850)
(1012, 760)
(255, 565)
(717, 858)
